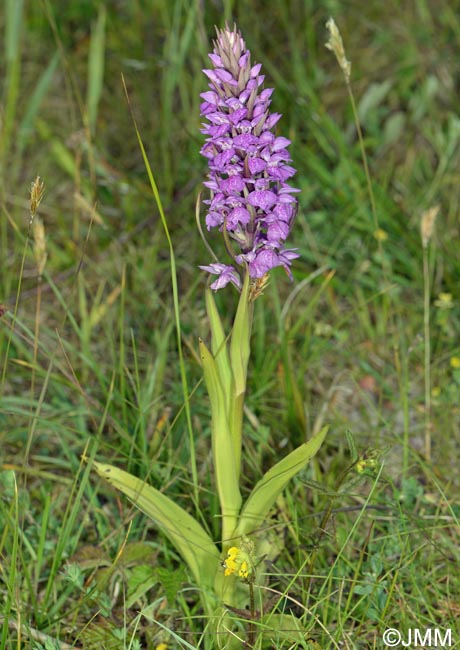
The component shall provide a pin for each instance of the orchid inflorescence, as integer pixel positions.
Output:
(251, 202)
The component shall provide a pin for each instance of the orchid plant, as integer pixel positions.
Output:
(252, 204)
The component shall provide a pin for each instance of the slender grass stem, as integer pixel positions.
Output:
(36, 333)
(427, 223)
(175, 293)
(364, 161)
(427, 352)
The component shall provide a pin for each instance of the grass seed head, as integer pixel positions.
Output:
(37, 190)
(427, 224)
(335, 44)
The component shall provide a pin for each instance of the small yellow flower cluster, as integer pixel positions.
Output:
(444, 301)
(367, 463)
(237, 561)
(380, 234)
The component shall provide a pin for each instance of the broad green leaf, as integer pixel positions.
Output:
(223, 453)
(265, 493)
(184, 532)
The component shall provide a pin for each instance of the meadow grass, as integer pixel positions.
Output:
(95, 362)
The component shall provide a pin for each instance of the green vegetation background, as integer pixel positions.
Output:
(89, 357)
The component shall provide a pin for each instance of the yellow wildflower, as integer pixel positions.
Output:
(455, 362)
(244, 569)
(380, 234)
(239, 560)
(444, 301)
(230, 564)
(360, 466)
(367, 463)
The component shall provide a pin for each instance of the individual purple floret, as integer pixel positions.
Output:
(251, 202)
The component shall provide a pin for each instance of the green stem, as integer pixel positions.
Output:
(240, 352)
(251, 626)
(427, 354)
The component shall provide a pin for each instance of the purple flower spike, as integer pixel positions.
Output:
(251, 202)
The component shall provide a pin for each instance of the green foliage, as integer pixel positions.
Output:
(193, 543)
(268, 489)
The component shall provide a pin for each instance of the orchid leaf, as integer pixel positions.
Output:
(184, 532)
(223, 453)
(267, 490)
(219, 346)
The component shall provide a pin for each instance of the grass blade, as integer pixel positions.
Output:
(41, 89)
(96, 69)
